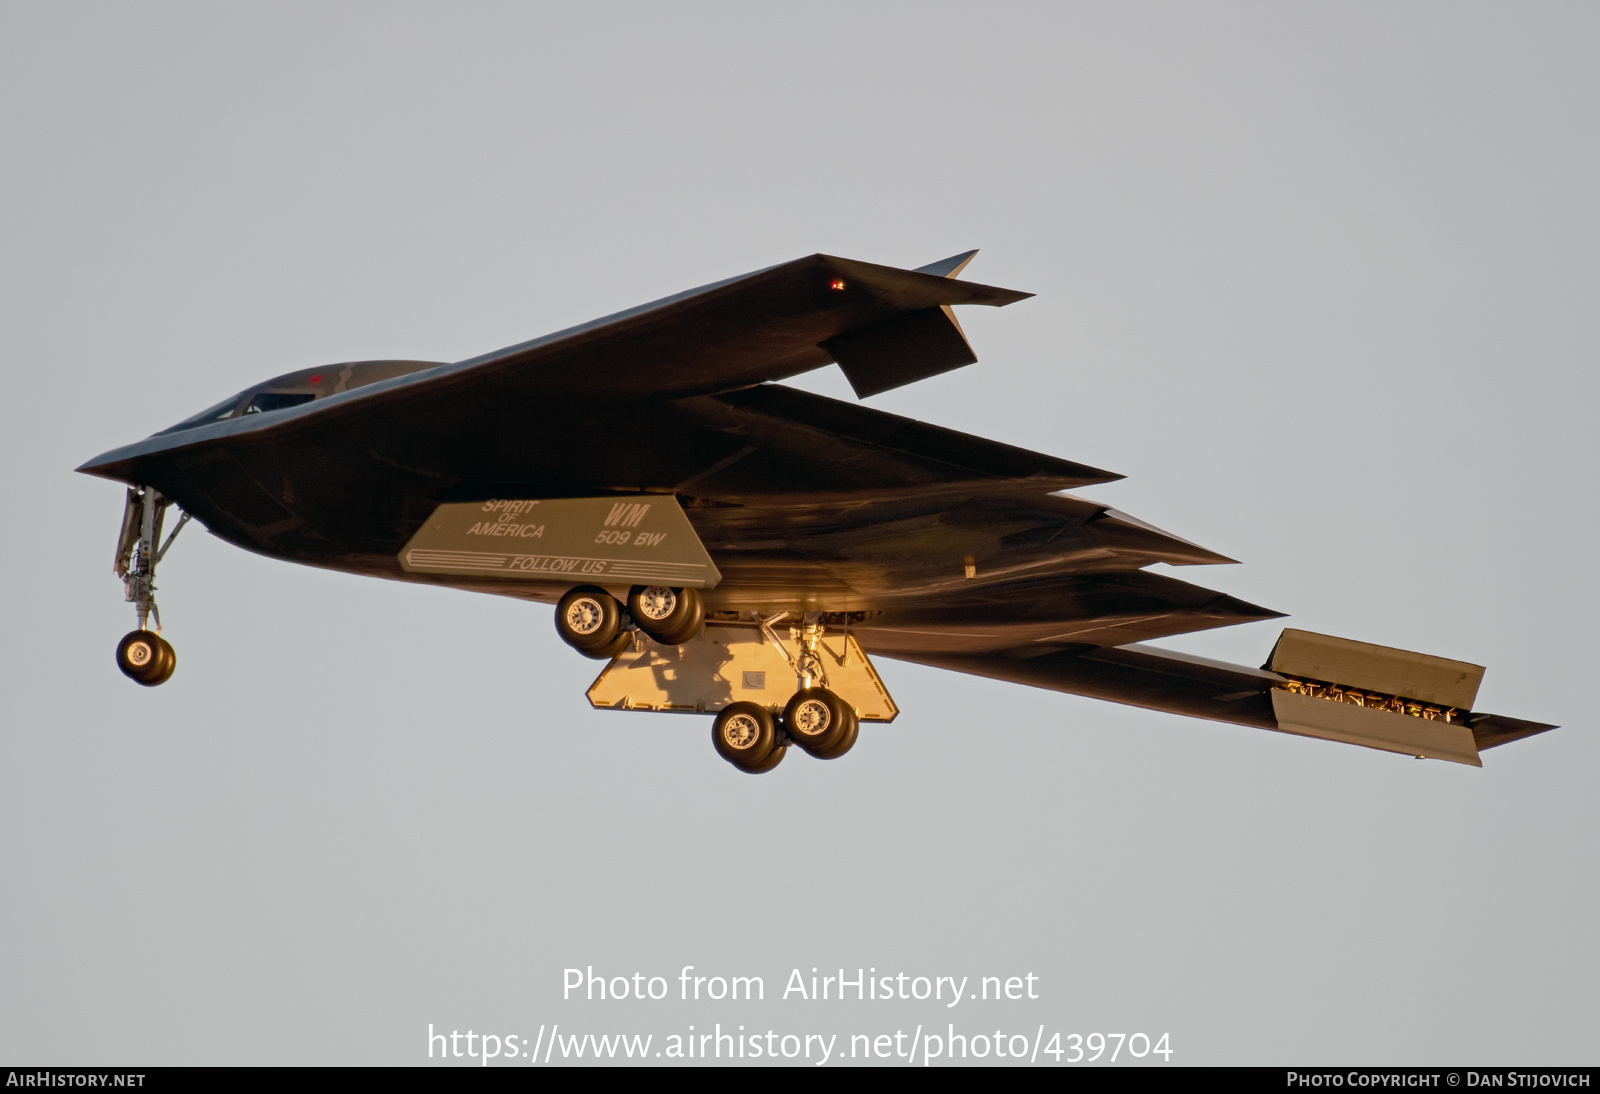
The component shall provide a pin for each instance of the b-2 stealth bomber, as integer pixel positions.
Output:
(741, 549)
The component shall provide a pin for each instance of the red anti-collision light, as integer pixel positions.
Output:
(317, 379)
(837, 284)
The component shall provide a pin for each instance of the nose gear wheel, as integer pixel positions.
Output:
(146, 658)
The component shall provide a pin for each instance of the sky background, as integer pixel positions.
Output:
(1321, 280)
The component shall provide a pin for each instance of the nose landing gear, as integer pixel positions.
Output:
(143, 655)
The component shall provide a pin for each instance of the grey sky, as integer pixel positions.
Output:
(1320, 280)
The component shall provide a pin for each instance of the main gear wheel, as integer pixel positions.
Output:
(589, 619)
(746, 735)
(670, 616)
(817, 720)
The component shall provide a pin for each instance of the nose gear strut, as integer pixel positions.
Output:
(143, 655)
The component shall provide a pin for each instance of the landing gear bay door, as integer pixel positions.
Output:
(636, 540)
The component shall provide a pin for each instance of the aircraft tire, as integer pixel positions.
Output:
(816, 719)
(670, 616)
(589, 619)
(145, 658)
(619, 644)
(846, 743)
(774, 758)
(745, 735)
(169, 663)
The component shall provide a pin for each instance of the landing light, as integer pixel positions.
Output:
(837, 284)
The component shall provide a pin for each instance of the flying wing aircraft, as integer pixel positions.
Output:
(737, 548)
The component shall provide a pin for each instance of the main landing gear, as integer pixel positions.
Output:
(751, 736)
(816, 719)
(143, 655)
(591, 621)
(746, 735)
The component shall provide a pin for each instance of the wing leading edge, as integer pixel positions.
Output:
(885, 326)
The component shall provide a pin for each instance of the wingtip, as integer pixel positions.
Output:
(1234, 606)
(953, 266)
(948, 267)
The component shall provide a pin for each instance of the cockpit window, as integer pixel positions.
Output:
(264, 402)
(268, 401)
(329, 380)
(216, 413)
